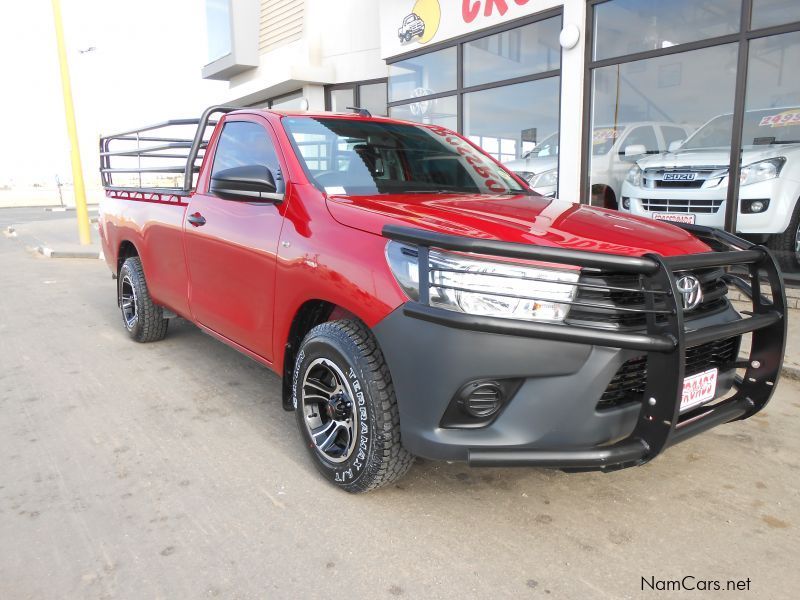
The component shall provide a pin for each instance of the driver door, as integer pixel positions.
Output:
(231, 244)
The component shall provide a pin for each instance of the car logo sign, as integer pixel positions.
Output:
(691, 291)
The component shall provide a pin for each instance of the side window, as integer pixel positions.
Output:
(243, 143)
(645, 136)
(673, 134)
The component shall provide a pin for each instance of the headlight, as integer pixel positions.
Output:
(481, 287)
(634, 176)
(545, 179)
(761, 171)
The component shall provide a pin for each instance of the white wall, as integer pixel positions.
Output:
(572, 75)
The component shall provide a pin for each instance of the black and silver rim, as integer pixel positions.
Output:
(327, 405)
(127, 294)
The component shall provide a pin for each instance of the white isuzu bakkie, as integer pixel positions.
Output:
(689, 183)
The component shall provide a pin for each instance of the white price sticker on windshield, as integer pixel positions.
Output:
(335, 190)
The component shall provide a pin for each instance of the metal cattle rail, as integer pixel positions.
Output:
(159, 145)
(665, 338)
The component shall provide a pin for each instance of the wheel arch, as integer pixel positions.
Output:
(126, 250)
(307, 316)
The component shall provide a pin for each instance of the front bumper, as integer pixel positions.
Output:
(782, 194)
(552, 420)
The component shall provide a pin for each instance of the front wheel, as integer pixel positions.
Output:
(786, 245)
(346, 409)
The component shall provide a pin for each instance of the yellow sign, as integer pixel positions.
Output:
(422, 23)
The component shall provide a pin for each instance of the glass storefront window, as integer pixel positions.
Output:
(441, 111)
(372, 96)
(629, 26)
(423, 75)
(522, 51)
(639, 110)
(767, 13)
(509, 123)
(341, 99)
(769, 192)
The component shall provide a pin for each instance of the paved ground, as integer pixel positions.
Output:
(170, 471)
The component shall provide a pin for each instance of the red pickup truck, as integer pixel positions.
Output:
(420, 299)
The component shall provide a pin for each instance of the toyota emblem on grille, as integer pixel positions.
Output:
(691, 291)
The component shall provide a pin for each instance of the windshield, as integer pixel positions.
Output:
(761, 128)
(357, 157)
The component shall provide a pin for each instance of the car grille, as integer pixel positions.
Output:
(682, 206)
(697, 183)
(628, 385)
(708, 176)
(613, 295)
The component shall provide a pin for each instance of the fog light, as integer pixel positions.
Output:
(755, 206)
(478, 403)
(481, 399)
(626, 203)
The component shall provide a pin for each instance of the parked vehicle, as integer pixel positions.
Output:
(614, 149)
(412, 26)
(690, 183)
(424, 301)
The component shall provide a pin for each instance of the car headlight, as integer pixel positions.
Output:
(482, 287)
(761, 171)
(545, 179)
(634, 176)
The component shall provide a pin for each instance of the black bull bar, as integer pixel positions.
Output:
(665, 338)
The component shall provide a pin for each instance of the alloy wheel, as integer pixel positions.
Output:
(328, 410)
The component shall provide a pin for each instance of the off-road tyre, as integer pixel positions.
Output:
(786, 245)
(147, 323)
(377, 457)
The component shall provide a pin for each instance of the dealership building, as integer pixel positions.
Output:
(572, 94)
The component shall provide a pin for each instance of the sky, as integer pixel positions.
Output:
(145, 69)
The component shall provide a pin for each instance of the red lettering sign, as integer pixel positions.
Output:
(501, 5)
(469, 10)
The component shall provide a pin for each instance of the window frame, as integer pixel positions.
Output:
(269, 131)
(459, 42)
(743, 37)
(355, 86)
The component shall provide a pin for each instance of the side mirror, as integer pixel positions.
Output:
(635, 151)
(252, 183)
(676, 145)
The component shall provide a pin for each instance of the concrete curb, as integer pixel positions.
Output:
(791, 372)
(50, 253)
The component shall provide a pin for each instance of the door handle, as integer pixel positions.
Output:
(196, 219)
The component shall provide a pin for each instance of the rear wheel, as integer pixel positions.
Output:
(143, 319)
(786, 245)
(346, 409)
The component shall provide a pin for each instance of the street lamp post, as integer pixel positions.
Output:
(81, 211)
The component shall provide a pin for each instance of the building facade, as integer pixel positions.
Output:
(582, 97)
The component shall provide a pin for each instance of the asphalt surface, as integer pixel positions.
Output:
(169, 470)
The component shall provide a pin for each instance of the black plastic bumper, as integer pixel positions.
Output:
(571, 360)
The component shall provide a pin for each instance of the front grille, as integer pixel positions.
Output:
(614, 293)
(706, 207)
(697, 183)
(628, 385)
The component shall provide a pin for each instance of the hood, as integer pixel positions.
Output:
(714, 157)
(533, 220)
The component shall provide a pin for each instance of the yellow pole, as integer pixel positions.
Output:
(77, 172)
